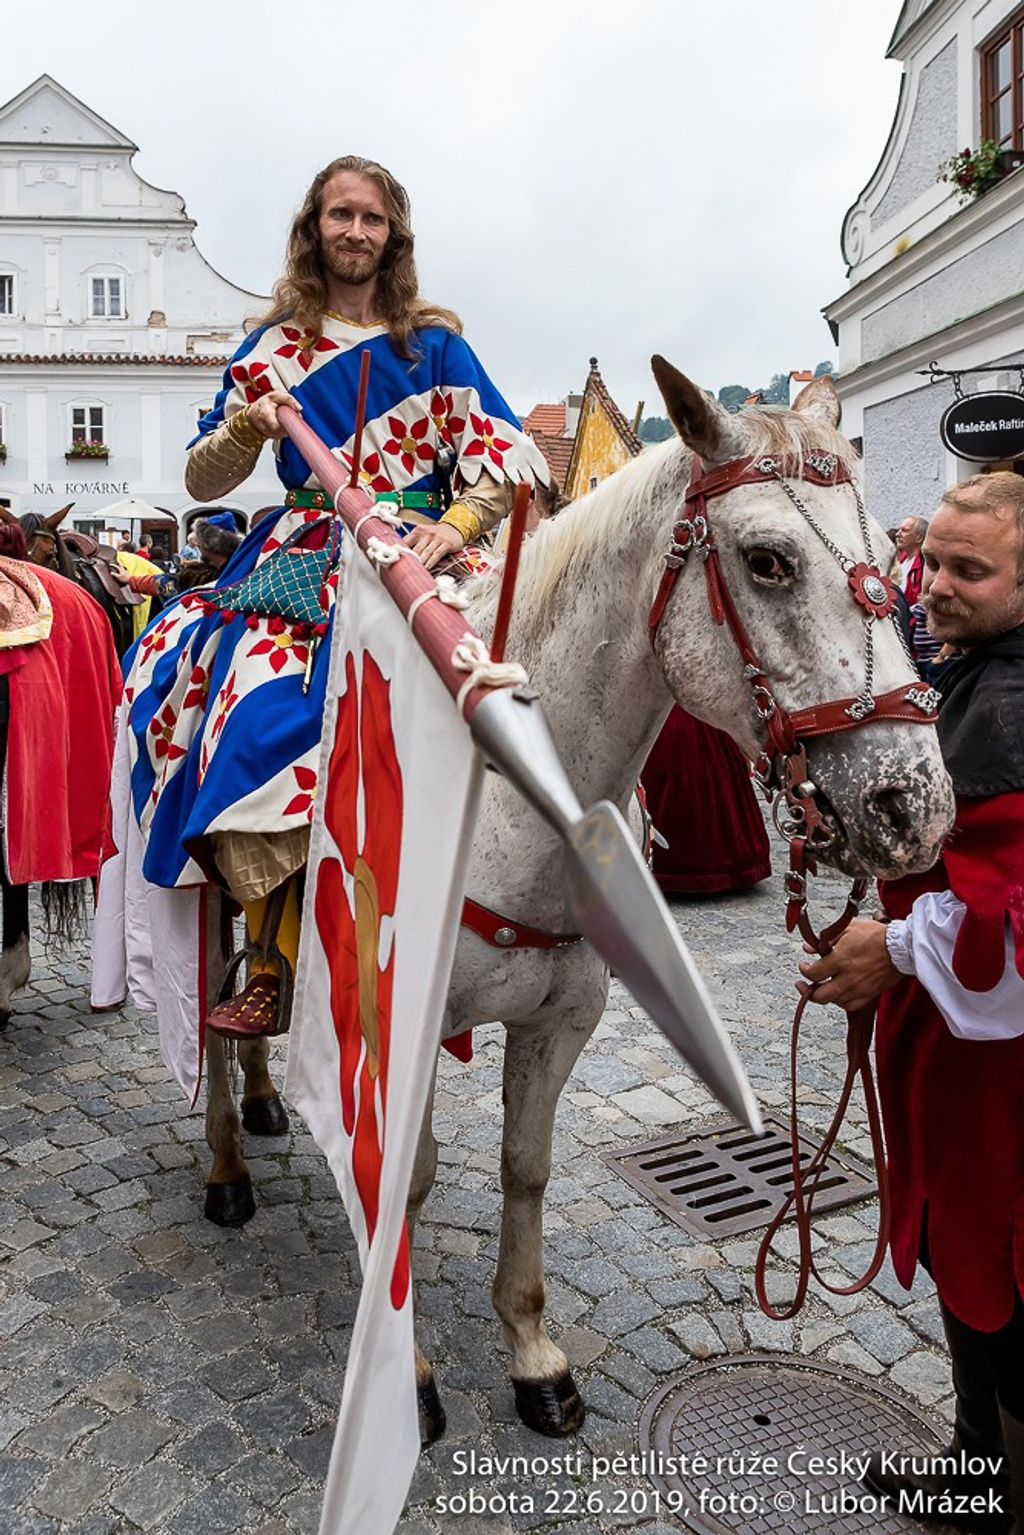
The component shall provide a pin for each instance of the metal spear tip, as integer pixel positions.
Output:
(614, 902)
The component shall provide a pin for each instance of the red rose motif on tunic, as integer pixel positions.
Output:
(161, 728)
(456, 423)
(363, 756)
(302, 345)
(278, 646)
(371, 474)
(155, 640)
(442, 412)
(408, 442)
(305, 779)
(226, 700)
(199, 687)
(485, 441)
(253, 379)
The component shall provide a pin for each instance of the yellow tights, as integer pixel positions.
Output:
(287, 936)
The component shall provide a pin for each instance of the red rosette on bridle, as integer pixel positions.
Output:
(871, 590)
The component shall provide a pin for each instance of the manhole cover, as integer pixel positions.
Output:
(722, 1180)
(770, 1442)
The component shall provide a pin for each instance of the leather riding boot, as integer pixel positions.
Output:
(965, 1485)
(1013, 1440)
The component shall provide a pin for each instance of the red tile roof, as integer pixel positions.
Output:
(557, 451)
(546, 419)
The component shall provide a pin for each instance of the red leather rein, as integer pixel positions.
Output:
(783, 774)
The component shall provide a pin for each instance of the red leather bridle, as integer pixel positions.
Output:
(783, 774)
(783, 764)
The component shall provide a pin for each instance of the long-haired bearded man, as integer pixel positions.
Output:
(230, 798)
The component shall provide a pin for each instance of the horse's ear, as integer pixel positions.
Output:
(6, 515)
(819, 400)
(55, 519)
(703, 424)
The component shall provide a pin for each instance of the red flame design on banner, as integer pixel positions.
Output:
(363, 754)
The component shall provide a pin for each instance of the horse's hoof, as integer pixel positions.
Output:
(230, 1204)
(433, 1421)
(552, 1407)
(264, 1116)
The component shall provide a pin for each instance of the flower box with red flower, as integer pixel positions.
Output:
(974, 171)
(88, 450)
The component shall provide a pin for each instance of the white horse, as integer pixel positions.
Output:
(580, 628)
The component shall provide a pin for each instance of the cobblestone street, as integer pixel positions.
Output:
(161, 1374)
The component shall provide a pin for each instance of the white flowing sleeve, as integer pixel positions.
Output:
(922, 946)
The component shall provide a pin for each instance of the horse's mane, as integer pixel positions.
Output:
(592, 525)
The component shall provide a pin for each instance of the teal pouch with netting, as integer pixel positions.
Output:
(291, 583)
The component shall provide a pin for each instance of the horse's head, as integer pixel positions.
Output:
(45, 544)
(798, 626)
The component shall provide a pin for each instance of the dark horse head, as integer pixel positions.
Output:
(45, 544)
(93, 566)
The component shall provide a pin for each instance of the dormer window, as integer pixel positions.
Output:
(107, 298)
(1002, 86)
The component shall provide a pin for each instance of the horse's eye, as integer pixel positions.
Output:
(769, 567)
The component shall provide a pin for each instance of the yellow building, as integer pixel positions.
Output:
(604, 439)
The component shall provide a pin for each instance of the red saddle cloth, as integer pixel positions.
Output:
(64, 691)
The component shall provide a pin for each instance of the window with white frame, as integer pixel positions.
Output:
(87, 424)
(106, 297)
(7, 295)
(3, 430)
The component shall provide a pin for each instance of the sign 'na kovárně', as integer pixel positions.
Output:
(986, 428)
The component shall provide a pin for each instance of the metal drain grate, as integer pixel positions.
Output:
(721, 1180)
(766, 1443)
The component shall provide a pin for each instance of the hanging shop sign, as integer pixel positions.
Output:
(985, 428)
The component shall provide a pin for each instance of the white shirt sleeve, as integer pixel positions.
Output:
(923, 946)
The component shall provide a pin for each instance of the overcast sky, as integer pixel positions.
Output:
(586, 178)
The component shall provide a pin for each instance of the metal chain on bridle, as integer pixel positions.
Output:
(783, 775)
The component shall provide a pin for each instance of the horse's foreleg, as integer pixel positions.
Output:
(263, 1113)
(538, 1060)
(15, 960)
(432, 1414)
(229, 1196)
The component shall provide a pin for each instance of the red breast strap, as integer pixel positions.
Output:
(505, 933)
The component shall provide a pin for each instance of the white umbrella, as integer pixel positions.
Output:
(130, 508)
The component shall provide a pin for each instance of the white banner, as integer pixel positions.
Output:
(398, 788)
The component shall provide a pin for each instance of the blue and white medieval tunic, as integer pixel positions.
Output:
(222, 737)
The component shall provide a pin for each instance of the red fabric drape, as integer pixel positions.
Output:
(700, 798)
(61, 741)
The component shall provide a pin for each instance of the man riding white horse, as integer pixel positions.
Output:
(226, 705)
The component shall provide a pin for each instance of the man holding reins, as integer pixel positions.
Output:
(948, 971)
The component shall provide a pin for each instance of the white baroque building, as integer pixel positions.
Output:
(933, 279)
(114, 330)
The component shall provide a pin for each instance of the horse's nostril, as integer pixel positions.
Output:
(891, 806)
